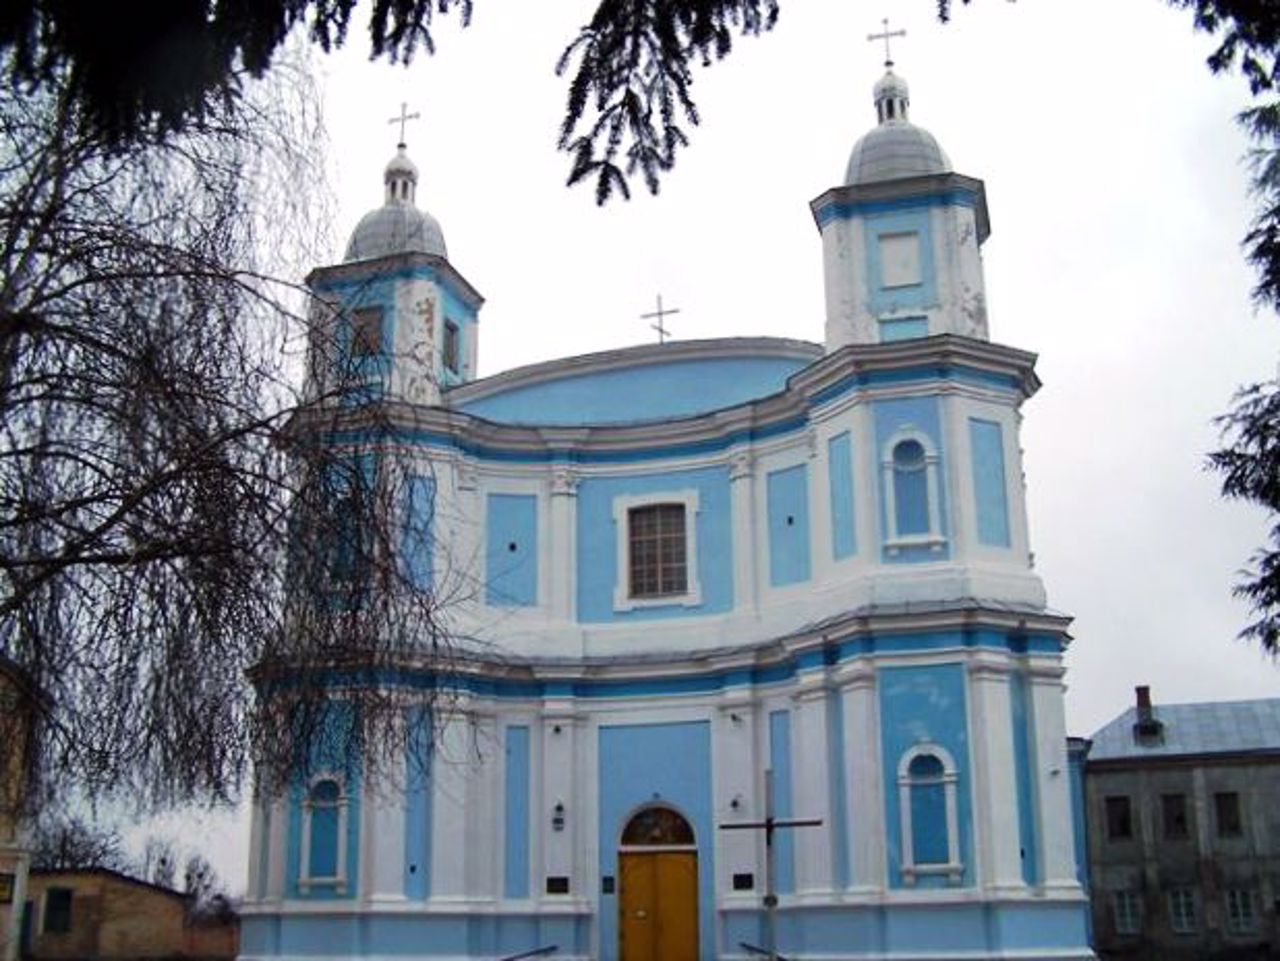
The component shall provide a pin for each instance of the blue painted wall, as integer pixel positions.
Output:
(840, 478)
(682, 780)
(787, 493)
(882, 299)
(918, 704)
(420, 508)
(516, 814)
(1024, 772)
(417, 804)
(784, 845)
(987, 452)
(364, 379)
(597, 547)
(328, 754)
(903, 328)
(919, 414)
(511, 550)
(649, 392)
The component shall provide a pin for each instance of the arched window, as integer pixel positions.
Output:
(657, 827)
(927, 808)
(324, 834)
(910, 467)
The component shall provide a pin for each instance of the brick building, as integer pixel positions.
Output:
(1183, 804)
(99, 913)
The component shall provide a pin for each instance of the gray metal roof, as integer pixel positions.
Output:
(1216, 727)
(395, 229)
(895, 149)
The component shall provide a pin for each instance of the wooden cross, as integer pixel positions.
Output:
(660, 314)
(404, 118)
(872, 37)
(769, 825)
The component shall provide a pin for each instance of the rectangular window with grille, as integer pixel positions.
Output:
(1242, 918)
(1126, 907)
(449, 349)
(57, 910)
(1226, 811)
(366, 332)
(1182, 911)
(1173, 810)
(656, 548)
(1119, 817)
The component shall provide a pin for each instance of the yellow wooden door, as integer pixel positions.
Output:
(658, 906)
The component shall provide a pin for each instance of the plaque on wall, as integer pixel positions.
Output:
(6, 889)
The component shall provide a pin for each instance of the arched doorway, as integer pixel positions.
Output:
(658, 888)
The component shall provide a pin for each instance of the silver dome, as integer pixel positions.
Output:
(896, 147)
(892, 150)
(397, 227)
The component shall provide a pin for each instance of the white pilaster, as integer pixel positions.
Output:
(449, 807)
(745, 531)
(809, 738)
(483, 810)
(382, 835)
(563, 548)
(1051, 776)
(277, 821)
(560, 787)
(864, 787)
(995, 788)
(735, 763)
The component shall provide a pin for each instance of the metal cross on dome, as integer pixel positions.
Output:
(660, 313)
(885, 35)
(404, 118)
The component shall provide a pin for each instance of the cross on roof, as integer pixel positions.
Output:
(404, 118)
(660, 313)
(885, 35)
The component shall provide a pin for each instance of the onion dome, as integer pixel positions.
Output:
(895, 147)
(397, 227)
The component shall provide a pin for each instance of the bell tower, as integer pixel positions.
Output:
(901, 236)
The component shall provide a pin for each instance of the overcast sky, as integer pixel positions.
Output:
(1117, 196)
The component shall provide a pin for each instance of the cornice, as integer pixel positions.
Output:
(906, 188)
(851, 368)
(627, 358)
(358, 270)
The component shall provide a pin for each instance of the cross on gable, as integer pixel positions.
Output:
(660, 313)
(404, 118)
(885, 35)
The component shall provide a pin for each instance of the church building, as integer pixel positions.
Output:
(715, 581)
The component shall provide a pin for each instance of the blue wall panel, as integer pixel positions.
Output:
(903, 328)
(416, 545)
(839, 789)
(511, 550)
(597, 546)
(780, 761)
(840, 477)
(986, 448)
(649, 392)
(516, 814)
(882, 299)
(787, 493)
(630, 779)
(1024, 772)
(925, 704)
(417, 804)
(918, 414)
(331, 753)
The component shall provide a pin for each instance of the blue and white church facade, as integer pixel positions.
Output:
(692, 563)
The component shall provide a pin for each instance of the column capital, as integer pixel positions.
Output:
(741, 464)
(564, 481)
(855, 675)
(464, 471)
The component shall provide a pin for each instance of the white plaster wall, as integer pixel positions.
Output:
(413, 372)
